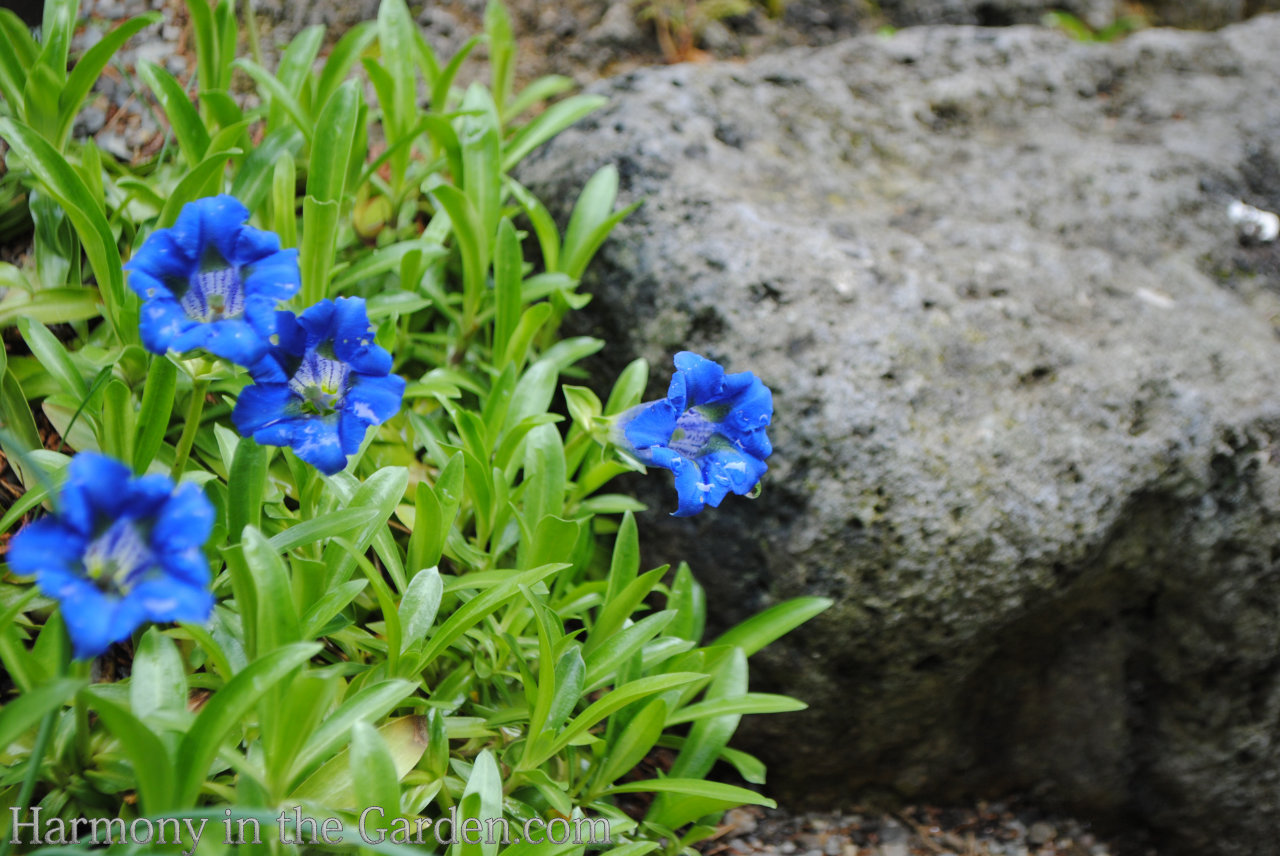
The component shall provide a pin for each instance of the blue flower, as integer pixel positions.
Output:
(212, 282)
(119, 552)
(709, 431)
(321, 387)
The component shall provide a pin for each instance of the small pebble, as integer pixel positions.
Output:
(1041, 833)
(90, 121)
(112, 142)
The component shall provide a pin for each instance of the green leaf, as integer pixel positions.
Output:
(633, 744)
(570, 676)
(383, 491)
(284, 202)
(227, 708)
(620, 606)
(331, 524)
(545, 473)
(374, 774)
(25, 711)
(17, 54)
(689, 601)
(89, 68)
(146, 752)
(592, 220)
(206, 38)
(342, 58)
(50, 306)
(203, 179)
(371, 703)
(749, 703)
(159, 680)
(418, 606)
(18, 432)
(696, 798)
(612, 702)
(482, 800)
(157, 408)
(319, 238)
(542, 89)
(331, 152)
(280, 96)
(53, 357)
(246, 484)
(322, 611)
(759, 630)
(508, 273)
(444, 80)
(622, 646)
(294, 69)
(334, 783)
(276, 616)
(253, 178)
(555, 119)
(707, 737)
(628, 388)
(502, 52)
(476, 609)
(192, 136)
(470, 237)
(530, 323)
(65, 185)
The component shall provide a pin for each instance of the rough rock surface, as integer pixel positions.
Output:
(1026, 382)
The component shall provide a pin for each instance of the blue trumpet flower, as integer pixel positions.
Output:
(212, 282)
(709, 431)
(322, 386)
(121, 551)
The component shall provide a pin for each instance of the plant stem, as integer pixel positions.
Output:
(195, 409)
(82, 669)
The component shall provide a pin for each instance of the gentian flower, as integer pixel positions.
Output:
(212, 282)
(709, 431)
(320, 388)
(120, 551)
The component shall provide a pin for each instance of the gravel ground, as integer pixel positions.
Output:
(601, 39)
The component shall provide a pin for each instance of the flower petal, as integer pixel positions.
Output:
(277, 276)
(221, 219)
(317, 321)
(160, 257)
(650, 424)
(170, 599)
(92, 489)
(161, 323)
(691, 490)
(703, 378)
(261, 405)
(374, 400)
(234, 340)
(185, 520)
(43, 546)
(143, 496)
(353, 431)
(317, 442)
(95, 620)
(253, 245)
(353, 340)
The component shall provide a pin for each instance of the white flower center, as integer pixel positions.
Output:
(118, 558)
(693, 430)
(321, 383)
(215, 294)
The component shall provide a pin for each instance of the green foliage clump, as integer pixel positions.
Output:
(443, 626)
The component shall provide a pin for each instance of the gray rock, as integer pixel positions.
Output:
(90, 121)
(617, 27)
(1026, 403)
